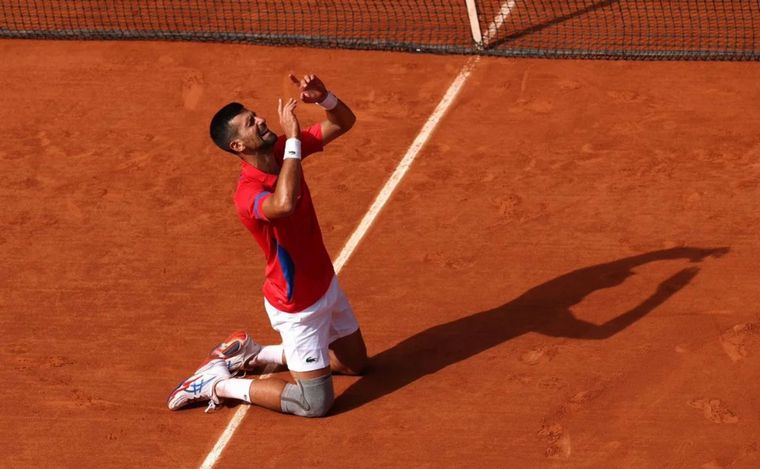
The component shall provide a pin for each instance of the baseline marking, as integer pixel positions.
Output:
(361, 230)
(498, 21)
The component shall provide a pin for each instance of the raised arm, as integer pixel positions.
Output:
(282, 202)
(340, 118)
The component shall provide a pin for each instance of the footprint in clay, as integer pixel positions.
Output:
(715, 410)
(739, 339)
(558, 440)
(192, 90)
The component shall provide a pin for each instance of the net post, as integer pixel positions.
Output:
(472, 13)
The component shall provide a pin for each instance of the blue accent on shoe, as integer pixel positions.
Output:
(288, 269)
(196, 388)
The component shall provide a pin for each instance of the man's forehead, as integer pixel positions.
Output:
(242, 116)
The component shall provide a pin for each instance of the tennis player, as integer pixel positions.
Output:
(305, 304)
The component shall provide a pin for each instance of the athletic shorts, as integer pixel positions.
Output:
(307, 334)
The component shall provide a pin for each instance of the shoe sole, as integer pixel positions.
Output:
(235, 344)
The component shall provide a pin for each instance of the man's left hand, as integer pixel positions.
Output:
(311, 88)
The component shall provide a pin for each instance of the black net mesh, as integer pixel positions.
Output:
(634, 29)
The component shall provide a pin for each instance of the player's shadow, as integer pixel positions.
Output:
(545, 309)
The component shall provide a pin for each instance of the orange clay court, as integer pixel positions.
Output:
(566, 277)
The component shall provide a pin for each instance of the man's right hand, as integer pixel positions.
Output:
(288, 119)
(310, 89)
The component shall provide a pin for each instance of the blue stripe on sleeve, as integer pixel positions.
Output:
(257, 203)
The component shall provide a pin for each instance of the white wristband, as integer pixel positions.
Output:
(329, 103)
(292, 149)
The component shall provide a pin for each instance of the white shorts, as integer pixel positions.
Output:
(307, 334)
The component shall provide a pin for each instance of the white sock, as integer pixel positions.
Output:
(235, 388)
(270, 354)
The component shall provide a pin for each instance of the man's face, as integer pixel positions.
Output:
(253, 134)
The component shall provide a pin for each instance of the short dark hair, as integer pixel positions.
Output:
(220, 129)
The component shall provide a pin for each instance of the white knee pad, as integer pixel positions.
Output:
(308, 397)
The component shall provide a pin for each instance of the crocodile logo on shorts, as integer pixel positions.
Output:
(311, 360)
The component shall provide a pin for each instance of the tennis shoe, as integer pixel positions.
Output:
(238, 350)
(200, 386)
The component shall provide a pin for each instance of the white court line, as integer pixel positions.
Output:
(405, 163)
(498, 21)
(361, 230)
(235, 421)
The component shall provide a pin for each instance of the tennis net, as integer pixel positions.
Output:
(630, 29)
